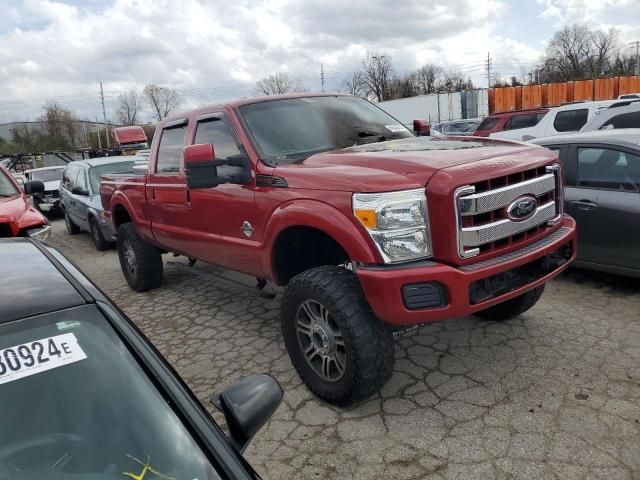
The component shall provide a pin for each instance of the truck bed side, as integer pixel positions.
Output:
(124, 195)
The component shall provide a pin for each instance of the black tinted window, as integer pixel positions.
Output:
(293, 129)
(570, 120)
(607, 168)
(217, 132)
(521, 121)
(625, 120)
(170, 152)
(488, 123)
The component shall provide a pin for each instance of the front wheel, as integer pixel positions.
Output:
(98, 239)
(72, 228)
(141, 263)
(514, 307)
(340, 349)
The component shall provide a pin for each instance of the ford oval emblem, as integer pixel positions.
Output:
(522, 208)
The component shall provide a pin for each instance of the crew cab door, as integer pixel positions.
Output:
(603, 195)
(222, 218)
(167, 190)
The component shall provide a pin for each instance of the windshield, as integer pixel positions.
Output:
(76, 404)
(7, 187)
(96, 172)
(46, 175)
(286, 131)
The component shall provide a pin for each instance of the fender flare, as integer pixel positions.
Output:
(324, 217)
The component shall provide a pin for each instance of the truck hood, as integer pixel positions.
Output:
(18, 214)
(393, 165)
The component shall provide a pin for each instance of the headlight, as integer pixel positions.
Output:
(41, 233)
(397, 222)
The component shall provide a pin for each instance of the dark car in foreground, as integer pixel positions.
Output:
(602, 193)
(84, 395)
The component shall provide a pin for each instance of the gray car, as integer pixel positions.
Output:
(602, 193)
(80, 196)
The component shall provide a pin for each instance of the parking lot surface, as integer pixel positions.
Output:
(552, 394)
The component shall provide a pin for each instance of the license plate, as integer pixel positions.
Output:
(39, 356)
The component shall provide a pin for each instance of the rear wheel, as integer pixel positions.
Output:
(141, 263)
(340, 349)
(72, 228)
(514, 307)
(98, 239)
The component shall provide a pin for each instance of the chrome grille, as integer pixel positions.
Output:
(481, 210)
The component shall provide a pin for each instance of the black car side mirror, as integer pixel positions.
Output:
(247, 405)
(201, 167)
(79, 191)
(33, 186)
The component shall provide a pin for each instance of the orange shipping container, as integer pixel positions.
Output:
(606, 88)
(583, 90)
(505, 99)
(492, 100)
(630, 84)
(532, 96)
(517, 95)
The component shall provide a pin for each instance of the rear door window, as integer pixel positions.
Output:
(625, 120)
(521, 121)
(488, 123)
(570, 120)
(170, 151)
(608, 169)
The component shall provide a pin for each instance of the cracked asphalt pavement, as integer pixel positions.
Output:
(554, 393)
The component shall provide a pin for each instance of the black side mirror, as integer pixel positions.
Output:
(33, 186)
(202, 168)
(79, 191)
(247, 405)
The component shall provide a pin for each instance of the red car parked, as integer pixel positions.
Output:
(17, 217)
(509, 121)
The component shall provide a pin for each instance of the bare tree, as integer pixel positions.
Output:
(453, 81)
(162, 100)
(355, 84)
(428, 78)
(404, 86)
(129, 108)
(577, 52)
(278, 84)
(377, 71)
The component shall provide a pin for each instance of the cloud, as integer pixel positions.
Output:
(563, 12)
(216, 49)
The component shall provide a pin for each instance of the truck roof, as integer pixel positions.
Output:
(249, 100)
(131, 134)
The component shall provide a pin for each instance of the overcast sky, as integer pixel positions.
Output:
(210, 50)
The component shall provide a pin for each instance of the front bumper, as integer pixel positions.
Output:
(470, 288)
(49, 204)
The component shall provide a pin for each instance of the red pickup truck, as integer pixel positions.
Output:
(370, 228)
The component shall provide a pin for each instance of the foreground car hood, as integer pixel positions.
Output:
(16, 212)
(393, 165)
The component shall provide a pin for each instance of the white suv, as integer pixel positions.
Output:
(567, 118)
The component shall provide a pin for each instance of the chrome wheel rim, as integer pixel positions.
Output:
(130, 258)
(321, 341)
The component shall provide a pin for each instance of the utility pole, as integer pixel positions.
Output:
(637, 44)
(488, 65)
(99, 140)
(104, 115)
(322, 76)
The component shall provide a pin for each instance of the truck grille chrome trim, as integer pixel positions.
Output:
(483, 223)
(476, 236)
(501, 197)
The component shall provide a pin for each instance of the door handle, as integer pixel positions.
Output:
(584, 204)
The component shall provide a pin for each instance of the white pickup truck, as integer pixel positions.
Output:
(564, 119)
